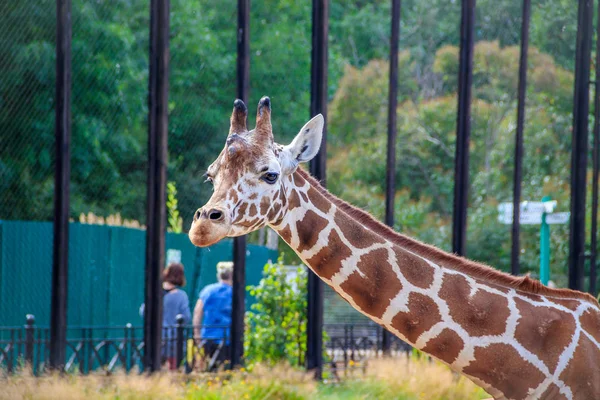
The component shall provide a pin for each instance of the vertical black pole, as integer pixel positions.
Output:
(390, 176)
(518, 167)
(463, 128)
(318, 104)
(239, 243)
(62, 132)
(579, 145)
(158, 89)
(596, 167)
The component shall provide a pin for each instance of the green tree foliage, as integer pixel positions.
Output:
(174, 220)
(276, 325)
(426, 142)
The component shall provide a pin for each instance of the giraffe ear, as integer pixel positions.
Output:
(305, 145)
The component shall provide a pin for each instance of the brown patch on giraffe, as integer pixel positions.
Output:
(299, 180)
(318, 200)
(423, 313)
(568, 303)
(373, 291)
(416, 270)
(553, 392)
(328, 261)
(264, 205)
(582, 374)
(304, 197)
(354, 233)
(590, 322)
(294, 200)
(483, 314)
(446, 346)
(274, 212)
(252, 223)
(534, 297)
(252, 212)
(241, 211)
(234, 196)
(282, 198)
(499, 288)
(501, 366)
(286, 234)
(253, 196)
(308, 230)
(544, 331)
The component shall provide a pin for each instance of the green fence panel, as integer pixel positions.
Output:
(126, 275)
(26, 271)
(89, 249)
(106, 271)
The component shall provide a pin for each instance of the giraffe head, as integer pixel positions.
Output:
(250, 174)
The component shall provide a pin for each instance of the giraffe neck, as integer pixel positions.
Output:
(468, 323)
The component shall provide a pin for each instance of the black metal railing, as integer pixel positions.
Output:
(90, 348)
(350, 346)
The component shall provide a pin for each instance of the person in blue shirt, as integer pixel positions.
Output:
(212, 315)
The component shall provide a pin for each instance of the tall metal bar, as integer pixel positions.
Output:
(518, 167)
(390, 176)
(579, 145)
(596, 168)
(158, 89)
(62, 175)
(318, 104)
(239, 243)
(463, 128)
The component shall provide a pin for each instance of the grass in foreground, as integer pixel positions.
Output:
(387, 379)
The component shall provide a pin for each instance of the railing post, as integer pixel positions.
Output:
(29, 338)
(179, 338)
(127, 347)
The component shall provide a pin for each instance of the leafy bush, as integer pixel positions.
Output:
(277, 321)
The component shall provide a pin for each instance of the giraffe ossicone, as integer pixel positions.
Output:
(512, 336)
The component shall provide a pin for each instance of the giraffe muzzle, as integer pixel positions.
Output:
(210, 225)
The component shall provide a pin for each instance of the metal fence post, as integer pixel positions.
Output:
(595, 168)
(579, 145)
(179, 339)
(127, 346)
(518, 166)
(463, 128)
(238, 306)
(158, 89)
(390, 188)
(60, 257)
(318, 104)
(29, 339)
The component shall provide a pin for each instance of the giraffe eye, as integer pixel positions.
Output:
(270, 177)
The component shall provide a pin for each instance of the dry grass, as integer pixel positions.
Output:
(389, 379)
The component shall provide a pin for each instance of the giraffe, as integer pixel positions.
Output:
(514, 337)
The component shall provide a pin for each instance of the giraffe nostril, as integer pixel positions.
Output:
(215, 215)
(197, 214)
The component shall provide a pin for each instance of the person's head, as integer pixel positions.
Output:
(225, 271)
(174, 274)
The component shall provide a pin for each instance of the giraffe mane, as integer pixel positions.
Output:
(448, 260)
